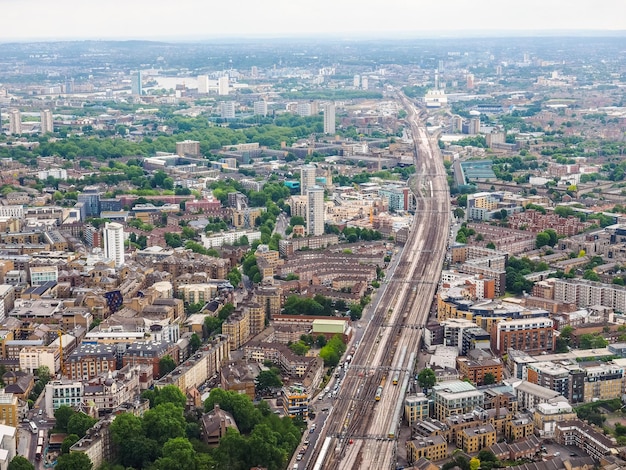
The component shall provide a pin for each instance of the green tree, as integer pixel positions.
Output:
(299, 348)
(166, 365)
(542, 239)
(20, 463)
(68, 442)
(491, 245)
(177, 453)
(268, 379)
(169, 394)
(74, 461)
(79, 423)
(62, 415)
(489, 379)
(164, 422)
(195, 342)
(474, 463)
(426, 378)
(245, 414)
(212, 325)
(134, 449)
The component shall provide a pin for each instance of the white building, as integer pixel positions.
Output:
(329, 118)
(135, 83)
(8, 445)
(114, 242)
(222, 86)
(227, 109)
(229, 238)
(63, 393)
(315, 211)
(41, 274)
(307, 178)
(47, 124)
(7, 299)
(260, 108)
(203, 84)
(15, 212)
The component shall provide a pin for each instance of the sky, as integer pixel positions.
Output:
(22, 20)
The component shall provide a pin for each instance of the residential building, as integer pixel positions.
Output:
(455, 397)
(432, 448)
(237, 329)
(533, 335)
(15, 122)
(63, 392)
(97, 443)
(90, 197)
(260, 108)
(47, 125)
(603, 381)
(7, 299)
(114, 242)
(529, 395)
(577, 433)
(8, 445)
(39, 275)
(136, 83)
(476, 370)
(329, 118)
(547, 415)
(295, 401)
(227, 109)
(315, 211)
(189, 148)
(416, 408)
(213, 425)
(222, 86)
(90, 360)
(473, 439)
(307, 178)
(9, 409)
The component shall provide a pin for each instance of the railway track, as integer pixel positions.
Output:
(358, 430)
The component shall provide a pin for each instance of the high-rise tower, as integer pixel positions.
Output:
(114, 242)
(329, 118)
(315, 211)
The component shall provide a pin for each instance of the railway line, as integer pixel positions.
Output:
(361, 430)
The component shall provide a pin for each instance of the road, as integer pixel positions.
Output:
(361, 431)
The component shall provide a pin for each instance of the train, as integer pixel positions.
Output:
(396, 374)
(379, 390)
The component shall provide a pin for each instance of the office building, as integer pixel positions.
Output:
(416, 408)
(533, 335)
(227, 109)
(203, 85)
(315, 211)
(222, 86)
(135, 83)
(295, 401)
(260, 108)
(8, 445)
(307, 178)
(329, 118)
(15, 122)
(90, 197)
(46, 121)
(114, 242)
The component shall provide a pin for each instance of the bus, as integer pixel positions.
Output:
(38, 453)
(33, 427)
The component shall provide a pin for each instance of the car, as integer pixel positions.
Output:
(573, 455)
(311, 431)
(321, 396)
(299, 457)
(324, 409)
(40, 412)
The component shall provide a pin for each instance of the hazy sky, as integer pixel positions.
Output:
(171, 19)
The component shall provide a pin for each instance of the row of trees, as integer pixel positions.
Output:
(333, 350)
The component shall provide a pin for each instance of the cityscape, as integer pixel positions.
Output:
(307, 254)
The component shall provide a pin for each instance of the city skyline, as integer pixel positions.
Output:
(189, 19)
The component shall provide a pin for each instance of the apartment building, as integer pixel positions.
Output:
(416, 408)
(547, 415)
(432, 448)
(473, 439)
(577, 433)
(533, 335)
(295, 401)
(90, 360)
(455, 397)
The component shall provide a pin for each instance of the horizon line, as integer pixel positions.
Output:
(353, 36)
